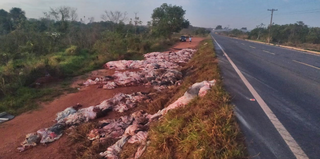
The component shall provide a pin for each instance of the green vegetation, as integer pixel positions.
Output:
(219, 27)
(196, 31)
(238, 33)
(297, 35)
(62, 45)
(289, 33)
(167, 19)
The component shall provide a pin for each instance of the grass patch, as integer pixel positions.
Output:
(26, 98)
(205, 128)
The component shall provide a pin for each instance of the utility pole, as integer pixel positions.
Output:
(272, 10)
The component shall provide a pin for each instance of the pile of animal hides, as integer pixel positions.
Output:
(74, 116)
(128, 129)
(137, 129)
(158, 69)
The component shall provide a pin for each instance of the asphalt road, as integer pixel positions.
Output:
(289, 83)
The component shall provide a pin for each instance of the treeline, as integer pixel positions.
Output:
(237, 33)
(198, 31)
(60, 44)
(297, 34)
(293, 34)
(58, 30)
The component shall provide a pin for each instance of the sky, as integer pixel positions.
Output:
(202, 13)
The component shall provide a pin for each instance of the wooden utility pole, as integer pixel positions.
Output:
(272, 10)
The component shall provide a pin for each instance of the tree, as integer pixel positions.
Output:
(116, 17)
(236, 32)
(91, 19)
(136, 21)
(219, 27)
(202, 31)
(62, 15)
(313, 36)
(4, 22)
(257, 32)
(73, 14)
(167, 19)
(244, 29)
(17, 17)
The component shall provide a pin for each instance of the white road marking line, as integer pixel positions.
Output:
(268, 52)
(303, 52)
(292, 144)
(242, 43)
(310, 53)
(252, 47)
(306, 64)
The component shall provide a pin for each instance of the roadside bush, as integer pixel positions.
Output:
(71, 64)
(72, 50)
(160, 44)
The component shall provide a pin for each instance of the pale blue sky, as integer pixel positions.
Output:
(205, 13)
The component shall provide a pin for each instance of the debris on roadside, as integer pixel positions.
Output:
(158, 69)
(137, 131)
(4, 116)
(73, 116)
(198, 89)
(68, 111)
(31, 140)
(52, 133)
(110, 128)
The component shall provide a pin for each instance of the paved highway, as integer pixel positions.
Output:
(285, 122)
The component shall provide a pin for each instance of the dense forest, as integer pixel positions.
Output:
(60, 45)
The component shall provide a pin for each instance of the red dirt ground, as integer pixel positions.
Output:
(187, 45)
(13, 132)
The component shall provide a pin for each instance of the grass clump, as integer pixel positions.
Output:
(206, 127)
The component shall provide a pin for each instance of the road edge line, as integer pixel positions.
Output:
(302, 63)
(282, 46)
(289, 140)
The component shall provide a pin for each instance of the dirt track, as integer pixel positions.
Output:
(13, 132)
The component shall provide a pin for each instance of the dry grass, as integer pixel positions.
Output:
(307, 46)
(205, 128)
(129, 150)
(82, 147)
